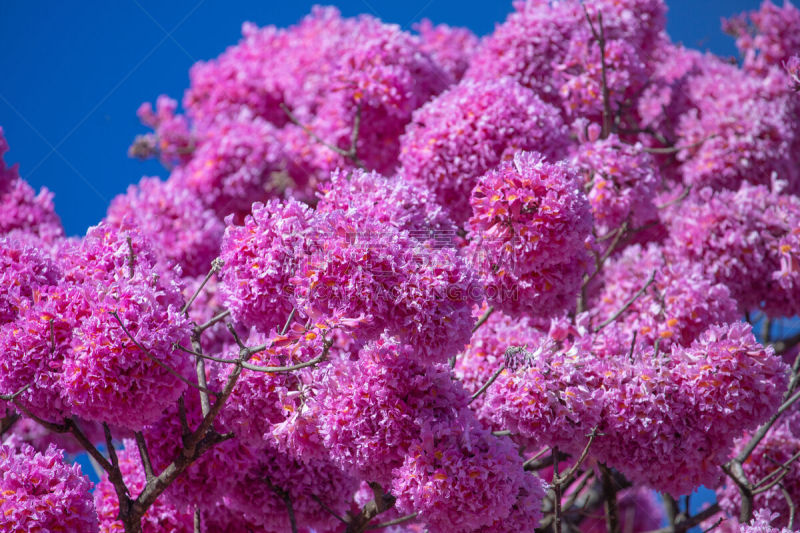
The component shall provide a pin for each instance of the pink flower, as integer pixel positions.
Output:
(39, 492)
(182, 230)
(464, 481)
(260, 258)
(528, 235)
(370, 411)
(470, 129)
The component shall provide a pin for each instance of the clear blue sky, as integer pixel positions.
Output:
(73, 73)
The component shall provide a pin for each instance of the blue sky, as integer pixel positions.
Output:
(73, 73)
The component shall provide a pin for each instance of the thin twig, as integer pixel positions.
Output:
(574, 468)
(112, 452)
(213, 320)
(780, 472)
(680, 198)
(394, 522)
(689, 522)
(284, 495)
(328, 509)
(291, 368)
(288, 321)
(675, 149)
(790, 503)
(488, 383)
(629, 303)
(156, 359)
(144, 455)
(556, 495)
(762, 431)
(344, 153)
(216, 265)
(131, 256)
(484, 317)
(610, 500)
(13, 396)
(601, 42)
(200, 372)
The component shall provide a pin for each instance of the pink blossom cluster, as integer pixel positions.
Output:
(87, 345)
(780, 444)
(396, 202)
(529, 235)
(676, 307)
(745, 239)
(371, 411)
(468, 130)
(768, 36)
(550, 48)
(21, 208)
(746, 132)
(699, 399)
(360, 268)
(176, 220)
(622, 181)
(761, 524)
(40, 492)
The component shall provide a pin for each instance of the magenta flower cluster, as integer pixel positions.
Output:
(529, 235)
(40, 492)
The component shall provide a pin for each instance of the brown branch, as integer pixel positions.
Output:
(131, 256)
(216, 265)
(349, 153)
(279, 369)
(627, 304)
(112, 452)
(581, 485)
(680, 198)
(394, 522)
(574, 468)
(735, 471)
(13, 396)
(556, 495)
(601, 42)
(488, 384)
(200, 372)
(288, 321)
(790, 503)
(382, 501)
(7, 422)
(784, 345)
(675, 149)
(213, 320)
(684, 524)
(284, 495)
(328, 509)
(762, 431)
(781, 472)
(533, 465)
(145, 456)
(610, 500)
(484, 317)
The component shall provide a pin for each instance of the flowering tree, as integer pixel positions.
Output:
(425, 282)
